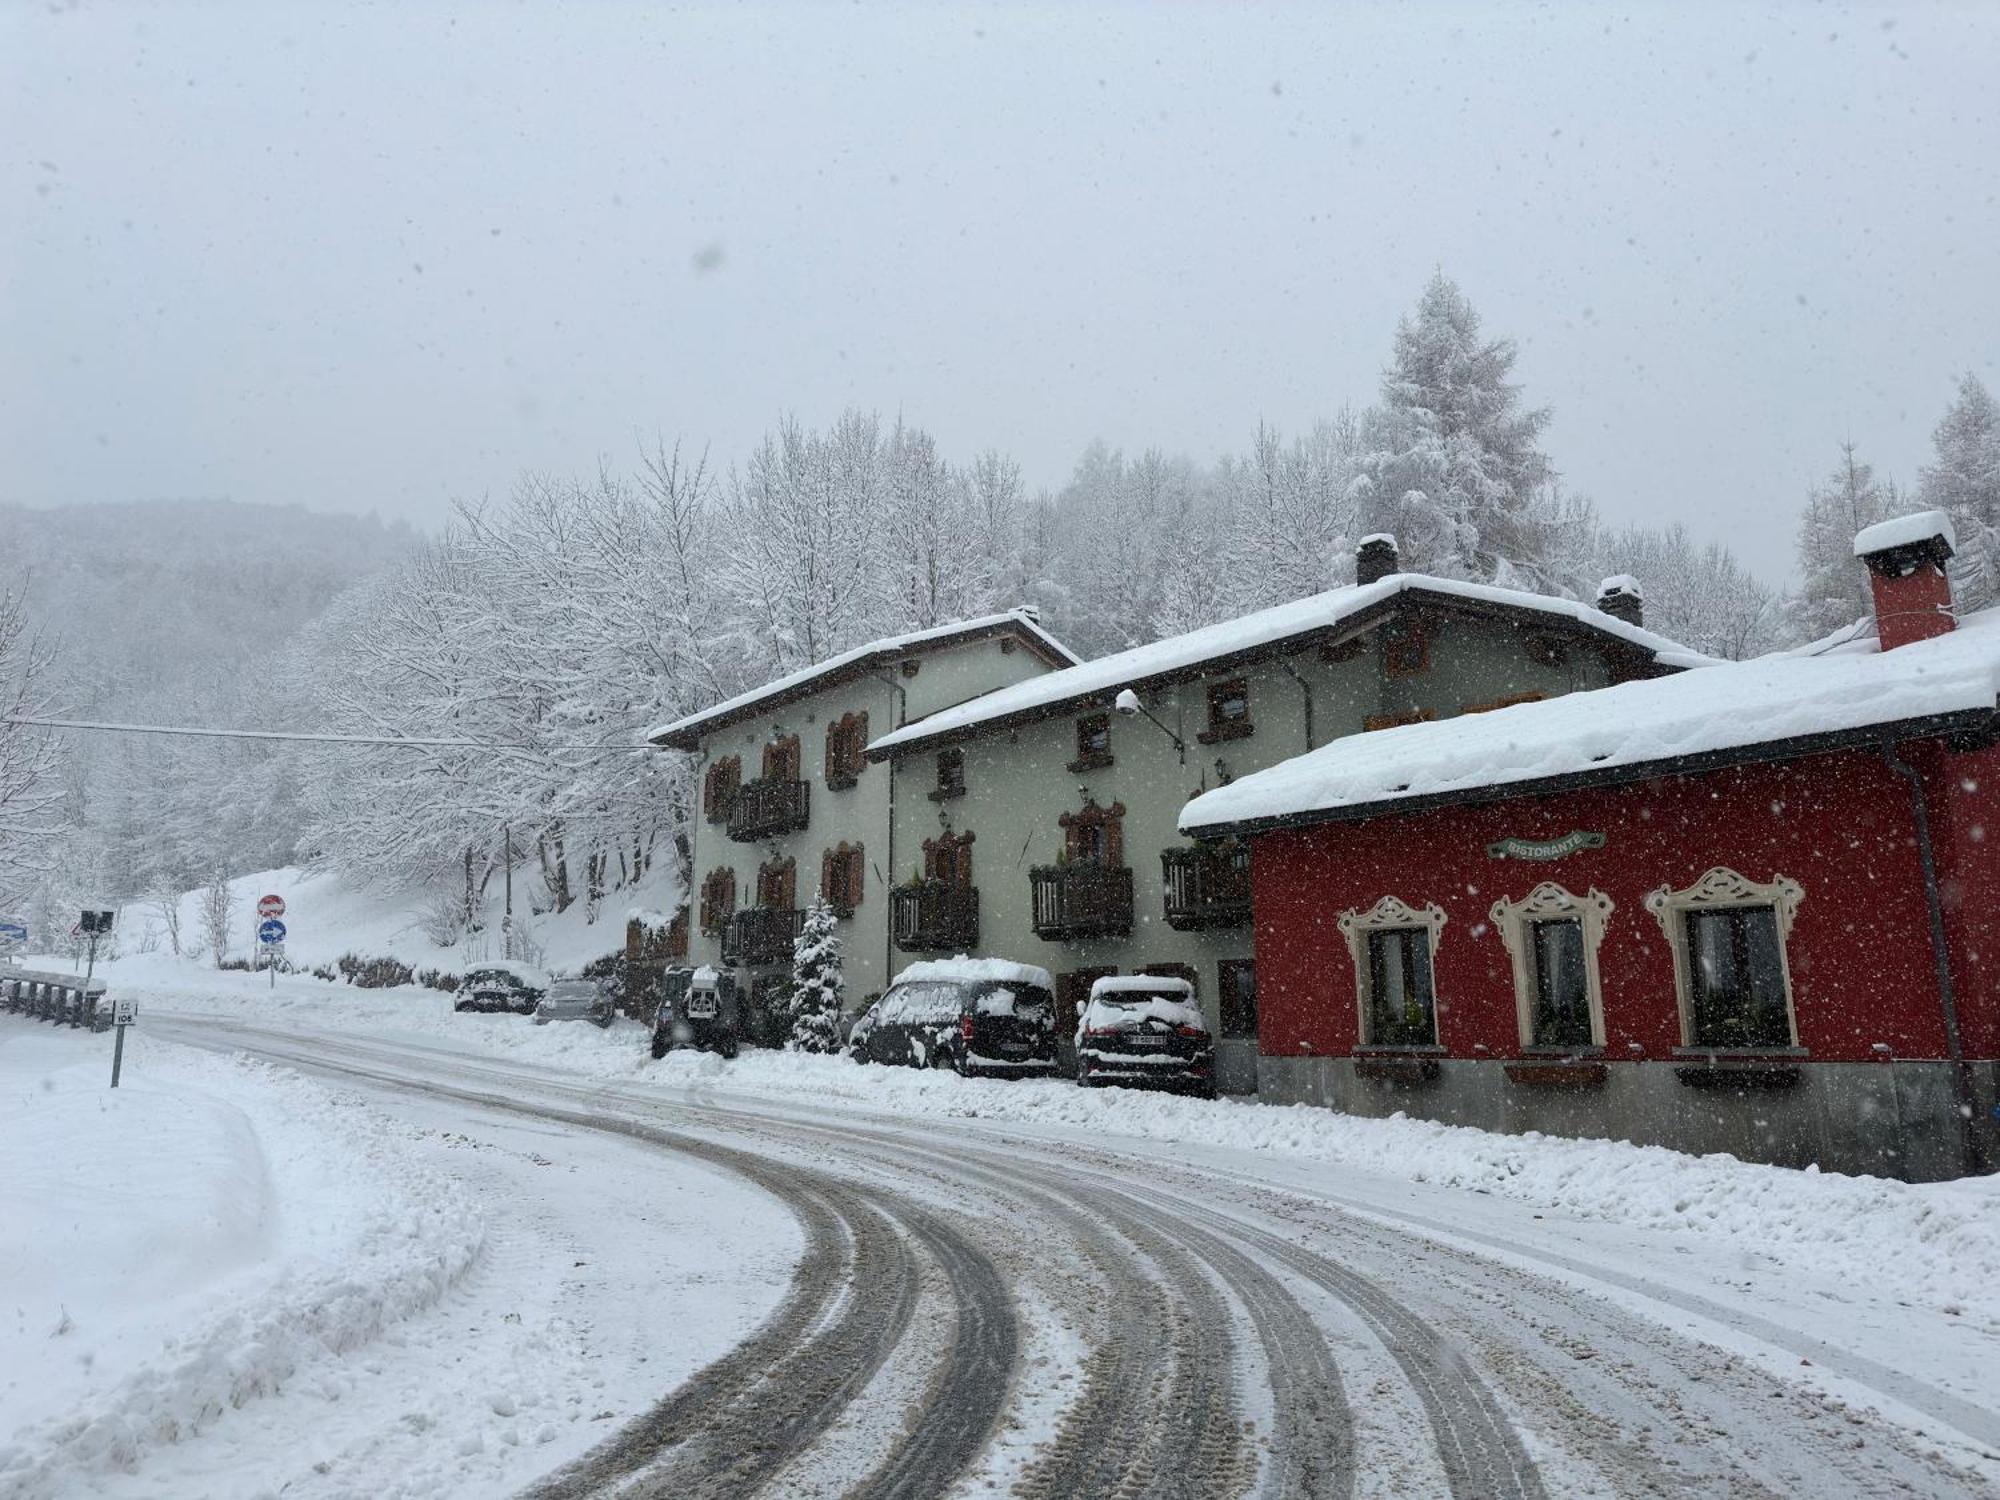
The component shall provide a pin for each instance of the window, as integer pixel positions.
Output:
(1095, 836)
(1093, 743)
(1228, 712)
(718, 900)
(843, 875)
(1402, 1004)
(950, 775)
(1406, 651)
(948, 859)
(1731, 973)
(1236, 992)
(719, 786)
(1392, 721)
(846, 738)
(778, 884)
(781, 759)
(1736, 969)
(1072, 991)
(1393, 945)
(1552, 935)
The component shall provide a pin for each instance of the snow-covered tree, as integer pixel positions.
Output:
(1833, 587)
(1965, 482)
(31, 786)
(1452, 467)
(813, 1010)
(218, 911)
(1696, 594)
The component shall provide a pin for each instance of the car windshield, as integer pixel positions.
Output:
(1126, 999)
(573, 991)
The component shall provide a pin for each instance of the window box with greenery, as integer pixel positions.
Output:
(1393, 946)
(1073, 899)
(928, 916)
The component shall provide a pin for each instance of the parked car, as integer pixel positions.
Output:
(976, 1016)
(1140, 1029)
(502, 986)
(697, 1009)
(575, 1000)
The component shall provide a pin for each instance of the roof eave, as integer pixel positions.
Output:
(1979, 725)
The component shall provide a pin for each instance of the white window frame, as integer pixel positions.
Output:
(1551, 902)
(1391, 912)
(1722, 889)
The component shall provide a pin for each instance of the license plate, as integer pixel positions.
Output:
(1014, 1047)
(1148, 1041)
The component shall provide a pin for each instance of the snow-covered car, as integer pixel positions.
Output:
(1146, 1030)
(575, 1000)
(976, 1016)
(502, 986)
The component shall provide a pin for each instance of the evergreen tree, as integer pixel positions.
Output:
(814, 1009)
(1451, 465)
(1965, 483)
(1833, 588)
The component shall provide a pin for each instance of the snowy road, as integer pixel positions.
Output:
(978, 1308)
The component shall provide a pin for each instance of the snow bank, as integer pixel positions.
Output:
(188, 1243)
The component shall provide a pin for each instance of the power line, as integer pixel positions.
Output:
(310, 739)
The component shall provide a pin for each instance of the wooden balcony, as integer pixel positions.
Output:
(1081, 901)
(933, 915)
(764, 808)
(1206, 887)
(760, 935)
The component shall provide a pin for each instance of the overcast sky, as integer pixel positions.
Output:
(381, 257)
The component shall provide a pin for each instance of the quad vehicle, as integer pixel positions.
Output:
(698, 1009)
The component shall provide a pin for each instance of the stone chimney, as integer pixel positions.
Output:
(1376, 558)
(1906, 559)
(1620, 597)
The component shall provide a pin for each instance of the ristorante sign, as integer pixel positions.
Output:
(1545, 849)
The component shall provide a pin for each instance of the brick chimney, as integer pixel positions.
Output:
(1376, 558)
(1620, 597)
(1906, 559)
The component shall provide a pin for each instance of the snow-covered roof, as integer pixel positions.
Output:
(684, 733)
(977, 970)
(1790, 703)
(1187, 653)
(1905, 531)
(1140, 984)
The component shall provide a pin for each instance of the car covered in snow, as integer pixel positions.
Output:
(575, 1000)
(1145, 1030)
(976, 1016)
(502, 985)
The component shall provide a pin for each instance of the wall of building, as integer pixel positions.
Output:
(854, 815)
(1018, 784)
(1861, 960)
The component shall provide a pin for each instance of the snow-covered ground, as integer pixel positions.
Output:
(225, 1257)
(326, 916)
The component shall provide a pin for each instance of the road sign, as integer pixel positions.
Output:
(272, 931)
(271, 906)
(13, 933)
(124, 1012)
(96, 922)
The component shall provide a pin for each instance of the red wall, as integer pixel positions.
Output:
(1840, 825)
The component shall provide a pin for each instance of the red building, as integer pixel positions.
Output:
(1749, 908)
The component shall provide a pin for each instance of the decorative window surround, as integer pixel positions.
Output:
(1720, 889)
(1389, 912)
(1549, 902)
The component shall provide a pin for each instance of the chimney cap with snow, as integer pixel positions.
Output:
(1376, 558)
(1620, 597)
(1904, 544)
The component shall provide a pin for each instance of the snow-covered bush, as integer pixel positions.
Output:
(814, 1011)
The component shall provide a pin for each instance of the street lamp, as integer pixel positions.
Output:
(1127, 703)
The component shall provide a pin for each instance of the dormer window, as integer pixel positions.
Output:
(1093, 743)
(1228, 712)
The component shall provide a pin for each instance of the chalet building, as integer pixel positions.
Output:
(1751, 908)
(1037, 822)
(790, 807)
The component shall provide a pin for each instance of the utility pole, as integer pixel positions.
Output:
(507, 917)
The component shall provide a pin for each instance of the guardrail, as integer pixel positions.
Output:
(63, 999)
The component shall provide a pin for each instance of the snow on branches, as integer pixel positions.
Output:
(813, 1008)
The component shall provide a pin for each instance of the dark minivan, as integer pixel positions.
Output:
(976, 1016)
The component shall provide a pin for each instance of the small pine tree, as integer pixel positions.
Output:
(814, 1010)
